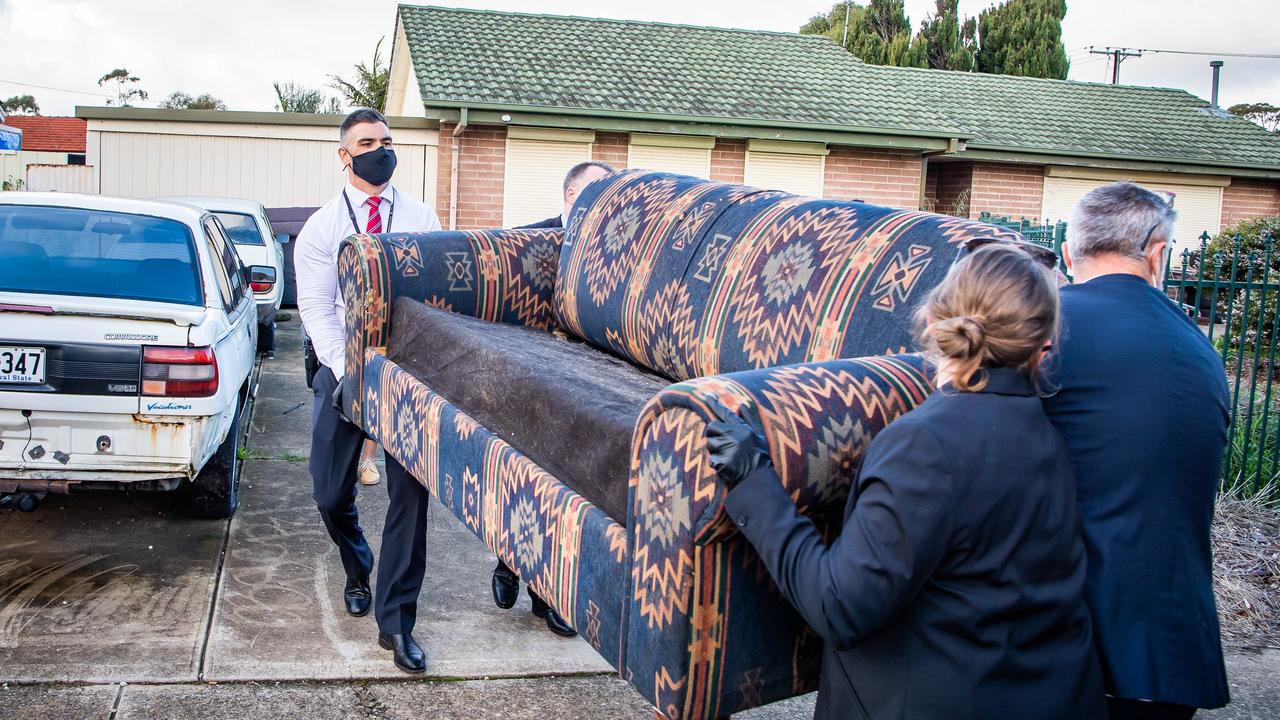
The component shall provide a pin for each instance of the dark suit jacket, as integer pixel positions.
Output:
(1143, 406)
(955, 589)
(553, 222)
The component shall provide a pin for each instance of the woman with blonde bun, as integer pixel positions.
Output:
(955, 588)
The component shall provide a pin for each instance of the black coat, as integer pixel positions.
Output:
(1143, 406)
(553, 222)
(955, 589)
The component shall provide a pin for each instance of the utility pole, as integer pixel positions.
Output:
(1118, 55)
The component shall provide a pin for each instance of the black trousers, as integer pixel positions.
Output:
(335, 454)
(1121, 709)
(402, 561)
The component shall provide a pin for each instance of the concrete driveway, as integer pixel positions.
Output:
(116, 606)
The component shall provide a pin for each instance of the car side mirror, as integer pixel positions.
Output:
(282, 238)
(261, 277)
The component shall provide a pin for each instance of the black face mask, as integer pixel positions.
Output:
(376, 166)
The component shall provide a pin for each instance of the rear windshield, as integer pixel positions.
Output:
(241, 228)
(71, 251)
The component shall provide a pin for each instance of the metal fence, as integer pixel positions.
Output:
(1231, 287)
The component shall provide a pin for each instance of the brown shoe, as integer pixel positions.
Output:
(369, 472)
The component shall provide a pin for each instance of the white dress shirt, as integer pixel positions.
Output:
(315, 262)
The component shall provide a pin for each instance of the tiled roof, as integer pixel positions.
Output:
(485, 57)
(1057, 116)
(52, 134)
(616, 67)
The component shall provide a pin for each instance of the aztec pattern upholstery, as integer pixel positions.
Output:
(753, 297)
(708, 634)
(692, 278)
(503, 276)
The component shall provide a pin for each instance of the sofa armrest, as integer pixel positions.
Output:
(818, 419)
(498, 275)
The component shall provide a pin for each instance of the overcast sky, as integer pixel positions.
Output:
(235, 49)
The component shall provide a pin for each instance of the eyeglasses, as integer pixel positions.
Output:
(1042, 255)
(1147, 239)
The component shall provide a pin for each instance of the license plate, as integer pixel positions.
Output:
(21, 365)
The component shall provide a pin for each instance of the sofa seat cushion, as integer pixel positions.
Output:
(565, 405)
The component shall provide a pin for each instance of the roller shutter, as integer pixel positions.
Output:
(1199, 206)
(534, 184)
(799, 174)
(682, 154)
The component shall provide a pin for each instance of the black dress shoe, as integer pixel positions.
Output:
(408, 654)
(357, 597)
(555, 623)
(506, 587)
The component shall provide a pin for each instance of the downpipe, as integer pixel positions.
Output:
(453, 169)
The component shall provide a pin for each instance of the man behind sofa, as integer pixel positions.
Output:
(368, 203)
(1143, 407)
(506, 584)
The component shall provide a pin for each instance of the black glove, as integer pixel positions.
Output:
(336, 402)
(736, 448)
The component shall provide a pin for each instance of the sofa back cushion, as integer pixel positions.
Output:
(690, 277)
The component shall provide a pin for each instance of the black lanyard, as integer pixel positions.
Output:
(391, 214)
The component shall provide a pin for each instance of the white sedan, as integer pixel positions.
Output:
(128, 335)
(250, 231)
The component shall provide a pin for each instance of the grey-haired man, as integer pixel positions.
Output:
(1142, 403)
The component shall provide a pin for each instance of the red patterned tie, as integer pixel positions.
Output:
(375, 218)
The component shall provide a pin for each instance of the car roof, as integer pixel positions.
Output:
(106, 203)
(214, 204)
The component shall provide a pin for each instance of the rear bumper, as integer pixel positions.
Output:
(70, 446)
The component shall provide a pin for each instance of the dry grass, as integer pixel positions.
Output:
(1246, 571)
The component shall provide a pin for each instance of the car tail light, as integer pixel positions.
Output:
(179, 371)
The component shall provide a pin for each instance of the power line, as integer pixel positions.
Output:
(55, 89)
(1221, 54)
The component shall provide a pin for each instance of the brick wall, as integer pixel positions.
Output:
(611, 148)
(952, 183)
(1245, 199)
(1003, 189)
(880, 177)
(729, 161)
(481, 173)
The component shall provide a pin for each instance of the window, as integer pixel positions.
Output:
(75, 158)
(226, 265)
(794, 167)
(95, 253)
(241, 228)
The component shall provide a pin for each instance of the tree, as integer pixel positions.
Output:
(832, 24)
(299, 99)
(179, 100)
(881, 35)
(126, 87)
(949, 43)
(1265, 114)
(20, 105)
(1023, 37)
(1020, 37)
(369, 88)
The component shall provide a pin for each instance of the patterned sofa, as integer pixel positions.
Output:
(551, 392)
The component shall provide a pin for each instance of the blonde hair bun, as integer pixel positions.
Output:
(960, 338)
(997, 308)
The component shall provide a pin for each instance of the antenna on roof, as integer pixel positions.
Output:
(844, 41)
(1117, 56)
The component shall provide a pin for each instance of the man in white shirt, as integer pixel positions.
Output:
(368, 204)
